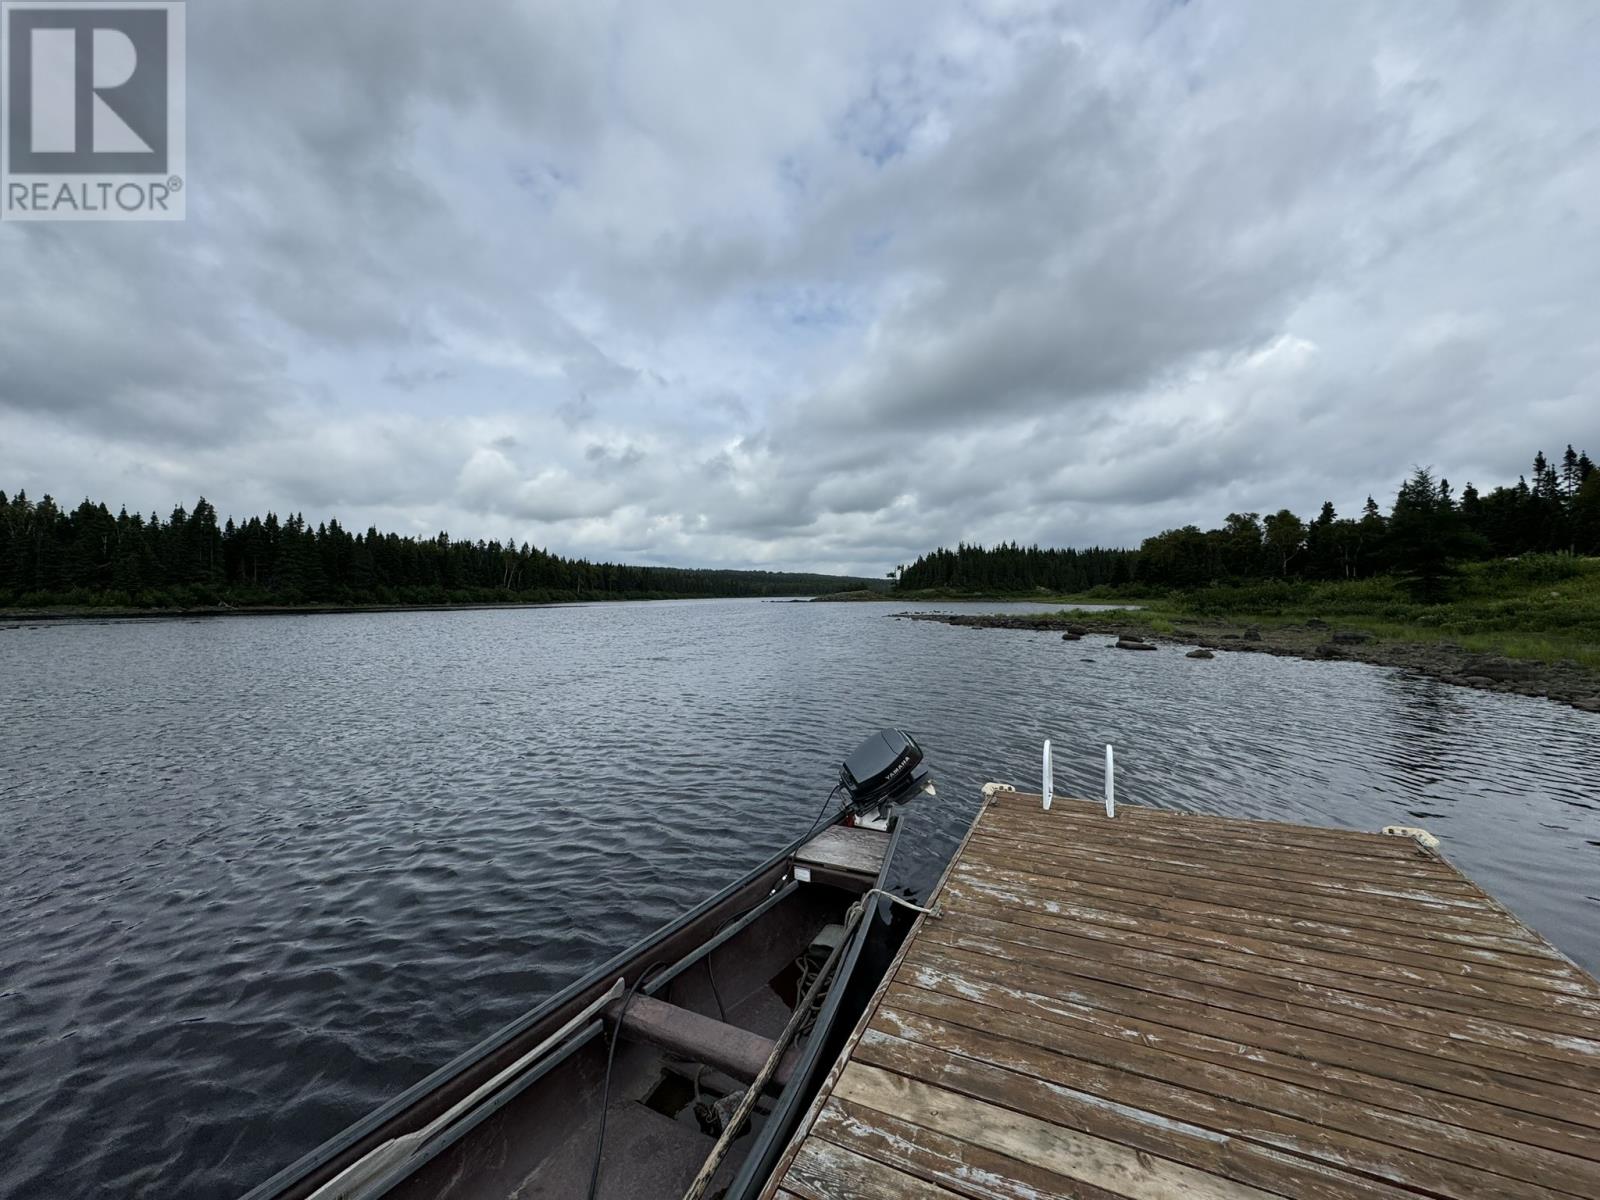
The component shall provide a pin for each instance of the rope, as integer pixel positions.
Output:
(932, 910)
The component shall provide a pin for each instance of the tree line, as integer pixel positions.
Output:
(50, 556)
(1009, 567)
(1427, 531)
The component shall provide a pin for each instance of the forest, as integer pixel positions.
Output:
(87, 557)
(1427, 533)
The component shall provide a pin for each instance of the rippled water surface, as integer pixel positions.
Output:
(258, 874)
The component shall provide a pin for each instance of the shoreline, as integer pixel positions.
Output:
(1565, 682)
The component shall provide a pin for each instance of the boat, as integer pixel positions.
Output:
(684, 1064)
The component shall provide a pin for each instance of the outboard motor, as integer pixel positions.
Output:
(884, 771)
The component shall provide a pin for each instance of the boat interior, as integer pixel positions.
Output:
(686, 1056)
(694, 1035)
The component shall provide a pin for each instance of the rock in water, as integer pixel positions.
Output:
(1071, 637)
(1200, 653)
(1127, 643)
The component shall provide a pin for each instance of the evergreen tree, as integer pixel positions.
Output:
(1370, 533)
(1586, 515)
(1425, 537)
(1322, 556)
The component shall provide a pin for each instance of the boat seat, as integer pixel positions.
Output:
(727, 1048)
(846, 851)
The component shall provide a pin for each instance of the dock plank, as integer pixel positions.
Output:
(1375, 1094)
(1164, 1005)
(824, 1170)
(1508, 1030)
(1211, 903)
(1370, 919)
(1282, 937)
(1405, 1151)
(1434, 980)
(1509, 1089)
(880, 1130)
(1105, 1166)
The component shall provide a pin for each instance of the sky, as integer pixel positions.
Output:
(825, 285)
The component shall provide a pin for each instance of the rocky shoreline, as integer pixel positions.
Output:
(1565, 682)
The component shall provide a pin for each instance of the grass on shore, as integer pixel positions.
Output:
(1542, 607)
(958, 595)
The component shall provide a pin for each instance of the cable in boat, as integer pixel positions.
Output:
(605, 1088)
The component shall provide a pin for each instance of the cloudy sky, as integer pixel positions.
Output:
(823, 285)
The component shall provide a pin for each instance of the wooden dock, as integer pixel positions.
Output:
(1171, 1007)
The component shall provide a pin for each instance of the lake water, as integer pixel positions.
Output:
(259, 874)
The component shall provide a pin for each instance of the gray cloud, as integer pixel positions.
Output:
(826, 287)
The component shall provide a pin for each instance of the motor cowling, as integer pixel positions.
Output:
(883, 771)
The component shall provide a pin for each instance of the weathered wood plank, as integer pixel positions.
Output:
(1407, 903)
(1082, 828)
(1406, 898)
(1480, 1023)
(960, 974)
(973, 1168)
(859, 851)
(1445, 1045)
(1434, 888)
(1342, 926)
(1082, 902)
(1206, 1150)
(1356, 850)
(1356, 842)
(1405, 1150)
(985, 1003)
(1443, 980)
(1483, 928)
(823, 1170)
(1065, 1153)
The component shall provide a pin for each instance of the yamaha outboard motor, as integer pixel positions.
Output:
(882, 772)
